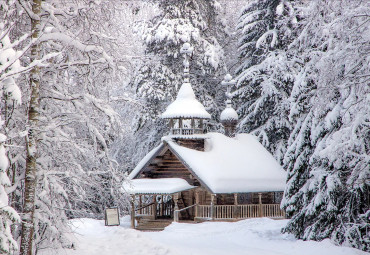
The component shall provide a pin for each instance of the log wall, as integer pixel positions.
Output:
(168, 166)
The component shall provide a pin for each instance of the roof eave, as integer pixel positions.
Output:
(162, 193)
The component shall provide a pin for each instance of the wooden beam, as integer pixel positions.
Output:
(132, 211)
(213, 196)
(260, 204)
(176, 208)
(196, 202)
(236, 212)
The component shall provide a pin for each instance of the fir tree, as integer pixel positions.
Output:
(328, 167)
(265, 74)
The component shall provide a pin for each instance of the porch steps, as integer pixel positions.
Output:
(153, 225)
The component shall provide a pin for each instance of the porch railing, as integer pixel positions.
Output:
(239, 211)
(148, 209)
(156, 209)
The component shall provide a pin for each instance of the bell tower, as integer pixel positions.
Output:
(186, 114)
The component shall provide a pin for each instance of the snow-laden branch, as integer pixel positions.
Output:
(68, 40)
(28, 10)
(39, 62)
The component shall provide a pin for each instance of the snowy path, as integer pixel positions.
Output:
(248, 237)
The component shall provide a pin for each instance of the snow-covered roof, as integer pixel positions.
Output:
(228, 114)
(157, 186)
(186, 105)
(229, 165)
(233, 165)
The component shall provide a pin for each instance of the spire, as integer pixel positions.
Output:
(187, 50)
(229, 117)
(186, 105)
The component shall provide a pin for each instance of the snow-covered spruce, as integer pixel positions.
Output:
(307, 98)
(264, 77)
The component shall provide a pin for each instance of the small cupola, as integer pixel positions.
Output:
(186, 113)
(229, 117)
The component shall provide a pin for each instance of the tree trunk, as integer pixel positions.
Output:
(31, 141)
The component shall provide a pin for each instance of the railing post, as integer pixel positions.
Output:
(260, 204)
(140, 205)
(197, 203)
(132, 211)
(161, 207)
(236, 213)
(155, 206)
(176, 208)
(212, 206)
(180, 126)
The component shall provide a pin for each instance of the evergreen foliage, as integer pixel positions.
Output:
(265, 76)
(305, 95)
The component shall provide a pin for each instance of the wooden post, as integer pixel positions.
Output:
(180, 125)
(212, 206)
(140, 204)
(162, 205)
(236, 214)
(155, 206)
(197, 203)
(176, 208)
(133, 211)
(260, 204)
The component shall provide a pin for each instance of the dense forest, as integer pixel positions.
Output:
(83, 83)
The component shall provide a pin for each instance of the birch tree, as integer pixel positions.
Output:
(71, 120)
(31, 138)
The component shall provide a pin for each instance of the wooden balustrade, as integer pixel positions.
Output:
(272, 211)
(220, 211)
(203, 211)
(240, 211)
(186, 131)
(224, 211)
(249, 211)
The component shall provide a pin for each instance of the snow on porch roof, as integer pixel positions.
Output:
(157, 186)
(186, 105)
(233, 165)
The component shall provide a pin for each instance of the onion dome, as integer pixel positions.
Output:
(186, 105)
(229, 114)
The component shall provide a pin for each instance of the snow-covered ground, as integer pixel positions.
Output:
(253, 236)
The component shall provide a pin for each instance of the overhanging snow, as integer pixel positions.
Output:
(157, 186)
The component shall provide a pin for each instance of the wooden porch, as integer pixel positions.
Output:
(157, 215)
